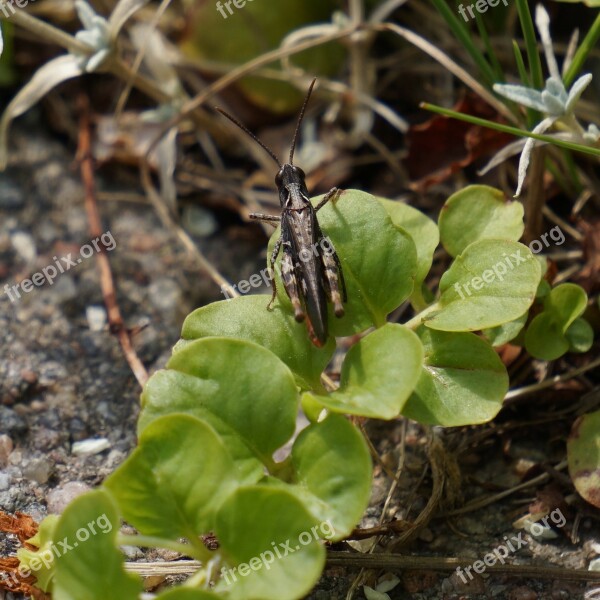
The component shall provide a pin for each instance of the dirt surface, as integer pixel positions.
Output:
(63, 377)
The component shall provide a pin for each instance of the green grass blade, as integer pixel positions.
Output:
(533, 56)
(533, 116)
(495, 63)
(521, 65)
(589, 41)
(464, 37)
(446, 112)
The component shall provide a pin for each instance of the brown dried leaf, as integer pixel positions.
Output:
(13, 581)
(442, 146)
(21, 525)
(24, 527)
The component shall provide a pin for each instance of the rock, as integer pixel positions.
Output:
(5, 481)
(522, 593)
(24, 244)
(11, 423)
(90, 446)
(11, 196)
(165, 294)
(59, 498)
(594, 565)
(6, 447)
(96, 317)
(199, 221)
(38, 469)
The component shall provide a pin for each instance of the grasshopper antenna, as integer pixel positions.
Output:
(300, 117)
(246, 130)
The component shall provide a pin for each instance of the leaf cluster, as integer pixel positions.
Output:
(228, 399)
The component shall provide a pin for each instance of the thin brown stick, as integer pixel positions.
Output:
(84, 154)
(397, 562)
(391, 562)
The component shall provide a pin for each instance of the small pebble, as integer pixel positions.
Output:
(38, 469)
(132, 552)
(594, 565)
(6, 447)
(60, 497)
(11, 196)
(24, 244)
(12, 423)
(96, 317)
(90, 446)
(522, 593)
(5, 481)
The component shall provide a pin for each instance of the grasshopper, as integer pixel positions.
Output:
(311, 274)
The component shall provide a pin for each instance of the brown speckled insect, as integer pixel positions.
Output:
(311, 273)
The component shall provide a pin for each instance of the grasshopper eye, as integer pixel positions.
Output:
(300, 172)
(279, 179)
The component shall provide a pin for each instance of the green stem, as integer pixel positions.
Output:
(464, 37)
(581, 55)
(533, 116)
(419, 318)
(493, 59)
(417, 300)
(512, 130)
(533, 56)
(283, 470)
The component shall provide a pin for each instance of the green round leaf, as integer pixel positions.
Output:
(333, 464)
(232, 382)
(247, 318)
(492, 282)
(503, 334)
(583, 454)
(168, 392)
(566, 302)
(379, 260)
(479, 212)
(90, 566)
(378, 374)
(546, 337)
(463, 381)
(270, 542)
(175, 480)
(423, 231)
(580, 336)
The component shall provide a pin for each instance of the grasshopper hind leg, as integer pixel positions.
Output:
(272, 271)
(290, 283)
(334, 279)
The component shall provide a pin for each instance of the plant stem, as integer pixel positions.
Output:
(533, 56)
(533, 116)
(464, 37)
(535, 197)
(512, 130)
(493, 58)
(48, 32)
(420, 317)
(584, 49)
(116, 66)
(512, 395)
